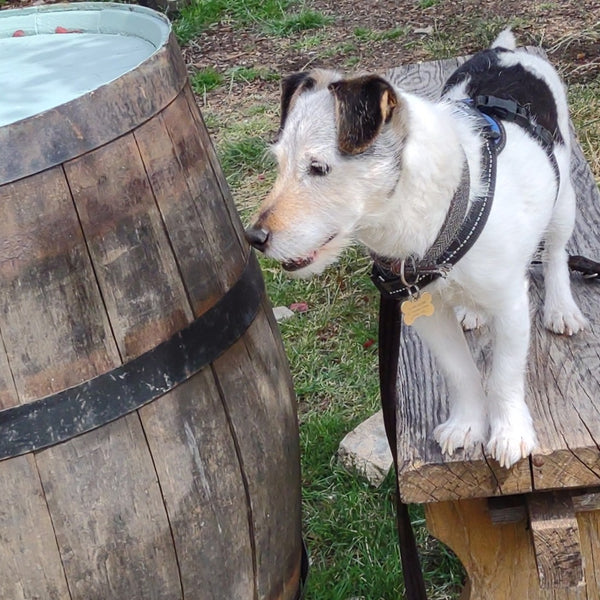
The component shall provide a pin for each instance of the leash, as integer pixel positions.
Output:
(390, 324)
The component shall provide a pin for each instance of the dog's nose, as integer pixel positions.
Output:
(257, 237)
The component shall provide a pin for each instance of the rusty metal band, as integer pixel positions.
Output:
(107, 397)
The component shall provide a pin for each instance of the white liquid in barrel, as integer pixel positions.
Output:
(39, 72)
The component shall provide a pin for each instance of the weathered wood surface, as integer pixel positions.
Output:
(562, 379)
(197, 494)
(556, 541)
(499, 558)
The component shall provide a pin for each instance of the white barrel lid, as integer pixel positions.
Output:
(52, 54)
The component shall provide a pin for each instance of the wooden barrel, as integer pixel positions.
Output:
(148, 435)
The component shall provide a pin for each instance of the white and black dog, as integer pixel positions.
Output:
(361, 159)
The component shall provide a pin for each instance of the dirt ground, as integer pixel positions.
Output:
(568, 30)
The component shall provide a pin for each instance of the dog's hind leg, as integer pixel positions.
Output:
(561, 313)
(467, 423)
(512, 435)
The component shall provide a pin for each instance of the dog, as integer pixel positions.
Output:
(360, 159)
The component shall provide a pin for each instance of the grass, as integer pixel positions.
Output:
(274, 17)
(204, 80)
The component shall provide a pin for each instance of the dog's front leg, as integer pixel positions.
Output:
(467, 424)
(512, 435)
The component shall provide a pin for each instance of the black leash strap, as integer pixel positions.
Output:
(589, 268)
(390, 323)
(91, 404)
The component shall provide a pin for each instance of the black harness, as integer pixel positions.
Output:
(404, 278)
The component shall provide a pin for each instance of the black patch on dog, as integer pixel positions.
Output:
(297, 82)
(488, 78)
(363, 105)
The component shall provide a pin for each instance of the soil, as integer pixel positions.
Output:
(568, 30)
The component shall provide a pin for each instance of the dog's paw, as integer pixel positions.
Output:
(508, 445)
(469, 319)
(564, 320)
(458, 433)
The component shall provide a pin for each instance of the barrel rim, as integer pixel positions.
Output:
(37, 14)
(64, 132)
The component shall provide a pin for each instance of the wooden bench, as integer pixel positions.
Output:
(532, 531)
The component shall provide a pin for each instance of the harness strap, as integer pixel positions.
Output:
(403, 278)
(511, 111)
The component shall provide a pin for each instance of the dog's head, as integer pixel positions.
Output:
(338, 155)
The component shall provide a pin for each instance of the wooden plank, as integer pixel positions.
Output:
(425, 79)
(57, 334)
(203, 487)
(562, 377)
(136, 270)
(589, 531)
(44, 268)
(257, 392)
(207, 185)
(8, 392)
(556, 543)
(171, 156)
(65, 338)
(30, 564)
(499, 559)
(109, 516)
(218, 174)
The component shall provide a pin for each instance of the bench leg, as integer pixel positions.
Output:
(499, 559)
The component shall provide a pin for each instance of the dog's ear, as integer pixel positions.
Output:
(362, 106)
(291, 87)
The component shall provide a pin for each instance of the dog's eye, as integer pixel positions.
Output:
(318, 168)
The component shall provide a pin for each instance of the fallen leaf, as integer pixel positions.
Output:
(300, 307)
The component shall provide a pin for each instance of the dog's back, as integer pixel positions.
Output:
(502, 71)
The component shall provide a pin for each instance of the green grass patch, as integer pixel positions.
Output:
(428, 3)
(365, 34)
(274, 17)
(584, 103)
(194, 18)
(250, 74)
(296, 22)
(205, 80)
(244, 157)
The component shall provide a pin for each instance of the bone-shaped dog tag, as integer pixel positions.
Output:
(417, 306)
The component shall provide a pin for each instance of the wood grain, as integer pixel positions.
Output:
(203, 486)
(133, 260)
(255, 384)
(556, 543)
(215, 165)
(30, 563)
(109, 517)
(499, 559)
(562, 377)
(48, 285)
(191, 205)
